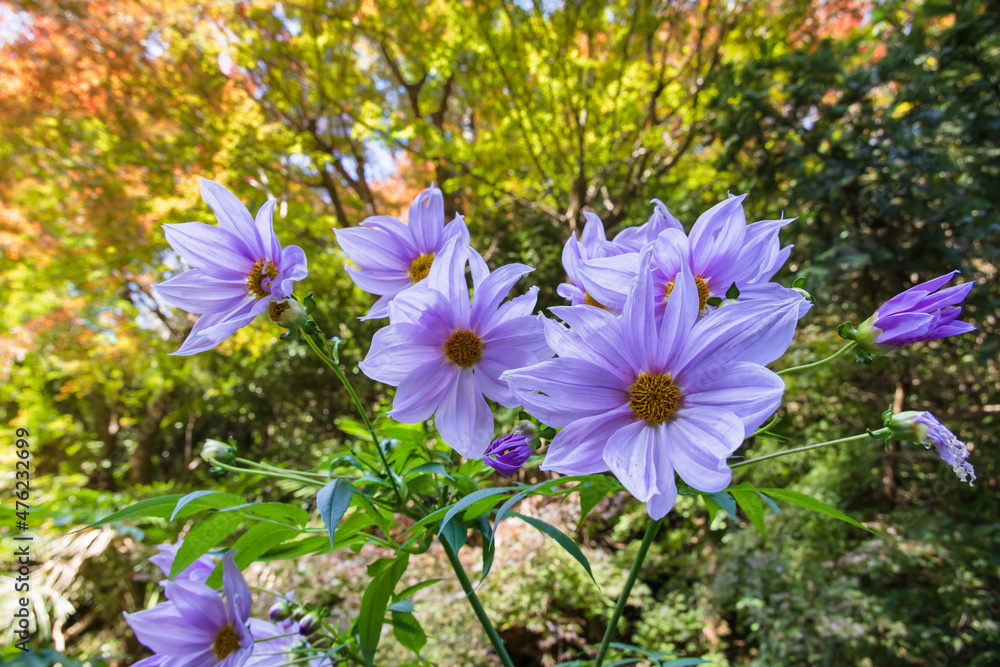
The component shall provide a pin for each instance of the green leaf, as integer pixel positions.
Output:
(712, 507)
(468, 501)
(455, 534)
(206, 534)
(590, 495)
(489, 549)
(332, 501)
(197, 501)
(749, 500)
(725, 501)
(252, 544)
(374, 602)
(407, 631)
(733, 293)
(429, 468)
(563, 541)
(292, 513)
(159, 508)
(408, 592)
(809, 503)
(402, 605)
(307, 545)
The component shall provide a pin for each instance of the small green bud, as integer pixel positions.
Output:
(906, 427)
(213, 451)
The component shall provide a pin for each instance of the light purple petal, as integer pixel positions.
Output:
(527, 333)
(717, 236)
(749, 391)
(671, 253)
(893, 304)
(607, 279)
(212, 249)
(237, 319)
(447, 276)
(426, 220)
(578, 449)
(163, 629)
(903, 325)
(754, 331)
(292, 267)
(495, 361)
(593, 230)
(197, 292)
(491, 292)
(264, 226)
(396, 229)
(596, 336)
(233, 216)
(575, 295)
(700, 440)
(428, 308)
(379, 282)
(560, 391)
(949, 296)
(639, 328)
(397, 350)
(236, 588)
(679, 315)
(464, 420)
(421, 391)
(198, 604)
(373, 248)
(639, 457)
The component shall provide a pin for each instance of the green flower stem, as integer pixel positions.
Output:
(651, 530)
(285, 474)
(357, 403)
(477, 607)
(321, 477)
(881, 433)
(795, 369)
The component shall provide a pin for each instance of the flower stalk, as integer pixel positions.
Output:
(881, 433)
(794, 369)
(651, 530)
(477, 606)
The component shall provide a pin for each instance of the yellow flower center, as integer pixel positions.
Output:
(654, 397)
(262, 269)
(463, 348)
(420, 267)
(226, 642)
(703, 292)
(591, 301)
(276, 308)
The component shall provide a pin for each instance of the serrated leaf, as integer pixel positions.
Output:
(809, 503)
(332, 501)
(567, 544)
(206, 534)
(373, 605)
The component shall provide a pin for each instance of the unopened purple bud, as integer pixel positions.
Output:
(506, 455)
(308, 624)
(279, 611)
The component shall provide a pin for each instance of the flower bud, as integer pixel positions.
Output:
(924, 428)
(288, 313)
(308, 624)
(506, 455)
(213, 451)
(279, 611)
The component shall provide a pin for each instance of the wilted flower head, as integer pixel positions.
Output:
(195, 626)
(720, 251)
(923, 427)
(444, 354)
(508, 453)
(647, 397)
(920, 313)
(198, 571)
(593, 243)
(392, 256)
(238, 267)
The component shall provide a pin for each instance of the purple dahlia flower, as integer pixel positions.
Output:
(239, 268)
(198, 571)
(195, 626)
(920, 313)
(444, 354)
(593, 243)
(508, 453)
(721, 250)
(392, 256)
(646, 396)
(924, 428)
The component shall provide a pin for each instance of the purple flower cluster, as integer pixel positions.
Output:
(198, 627)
